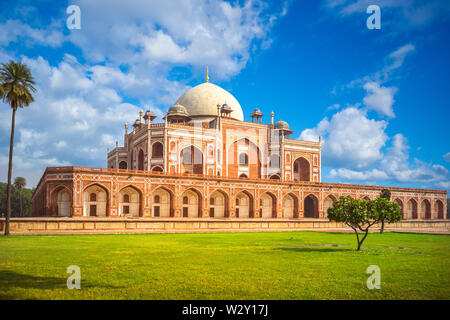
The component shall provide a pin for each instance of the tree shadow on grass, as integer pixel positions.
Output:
(10, 280)
(306, 249)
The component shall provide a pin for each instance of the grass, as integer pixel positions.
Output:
(273, 265)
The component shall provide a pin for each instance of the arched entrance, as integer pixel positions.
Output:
(63, 199)
(268, 205)
(218, 203)
(301, 170)
(311, 207)
(244, 158)
(95, 201)
(157, 150)
(439, 209)
(191, 160)
(130, 202)
(400, 205)
(162, 203)
(290, 207)
(141, 160)
(425, 210)
(411, 209)
(191, 204)
(244, 205)
(328, 203)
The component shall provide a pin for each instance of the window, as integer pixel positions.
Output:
(156, 213)
(126, 198)
(93, 197)
(157, 150)
(243, 159)
(126, 209)
(211, 201)
(93, 210)
(211, 212)
(237, 201)
(185, 200)
(157, 199)
(122, 165)
(185, 212)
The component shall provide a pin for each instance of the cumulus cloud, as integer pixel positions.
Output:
(14, 31)
(379, 98)
(350, 138)
(446, 157)
(349, 174)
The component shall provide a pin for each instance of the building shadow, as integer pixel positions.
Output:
(10, 280)
(317, 249)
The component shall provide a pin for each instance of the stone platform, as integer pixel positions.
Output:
(59, 225)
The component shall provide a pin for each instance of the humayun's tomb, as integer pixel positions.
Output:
(204, 167)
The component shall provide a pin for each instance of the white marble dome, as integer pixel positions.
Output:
(202, 100)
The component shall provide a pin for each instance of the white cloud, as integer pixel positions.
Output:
(350, 138)
(379, 98)
(14, 31)
(446, 157)
(348, 174)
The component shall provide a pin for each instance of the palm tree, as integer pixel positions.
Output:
(16, 82)
(20, 183)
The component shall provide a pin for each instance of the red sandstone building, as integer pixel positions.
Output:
(204, 161)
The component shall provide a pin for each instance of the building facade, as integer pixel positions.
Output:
(205, 161)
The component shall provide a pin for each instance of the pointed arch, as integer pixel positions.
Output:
(191, 160)
(268, 205)
(411, 209)
(302, 169)
(244, 204)
(290, 206)
(162, 202)
(328, 203)
(61, 201)
(99, 207)
(122, 165)
(141, 159)
(244, 157)
(157, 150)
(311, 207)
(400, 205)
(439, 209)
(425, 209)
(130, 201)
(192, 203)
(218, 204)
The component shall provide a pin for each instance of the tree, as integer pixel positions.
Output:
(20, 183)
(16, 82)
(387, 211)
(386, 194)
(355, 214)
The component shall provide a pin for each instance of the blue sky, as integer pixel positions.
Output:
(379, 98)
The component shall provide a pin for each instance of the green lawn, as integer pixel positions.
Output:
(272, 265)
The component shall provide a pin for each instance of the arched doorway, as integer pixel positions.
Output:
(400, 205)
(95, 201)
(268, 205)
(244, 205)
(130, 202)
(311, 207)
(328, 203)
(301, 170)
(425, 210)
(141, 160)
(290, 207)
(162, 203)
(191, 204)
(218, 203)
(439, 209)
(244, 158)
(63, 202)
(411, 209)
(157, 150)
(191, 160)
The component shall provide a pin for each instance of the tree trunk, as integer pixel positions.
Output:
(362, 240)
(382, 227)
(8, 188)
(21, 205)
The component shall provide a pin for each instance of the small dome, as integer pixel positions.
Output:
(282, 125)
(256, 112)
(177, 110)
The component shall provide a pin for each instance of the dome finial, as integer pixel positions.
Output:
(207, 74)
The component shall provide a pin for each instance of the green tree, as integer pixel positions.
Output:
(16, 82)
(386, 194)
(20, 183)
(385, 210)
(355, 214)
